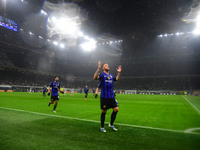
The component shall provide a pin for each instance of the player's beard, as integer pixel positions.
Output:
(107, 70)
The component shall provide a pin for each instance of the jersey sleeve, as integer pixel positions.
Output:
(51, 84)
(100, 76)
(99, 85)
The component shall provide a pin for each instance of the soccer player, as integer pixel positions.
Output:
(44, 90)
(72, 92)
(93, 90)
(55, 85)
(86, 92)
(107, 97)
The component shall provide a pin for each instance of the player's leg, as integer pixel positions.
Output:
(115, 107)
(55, 105)
(103, 104)
(113, 115)
(103, 116)
(51, 101)
(85, 96)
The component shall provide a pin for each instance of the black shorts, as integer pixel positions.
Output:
(44, 92)
(107, 103)
(54, 98)
(86, 93)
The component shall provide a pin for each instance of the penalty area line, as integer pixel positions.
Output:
(79, 119)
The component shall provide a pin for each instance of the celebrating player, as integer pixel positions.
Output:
(86, 91)
(55, 85)
(107, 97)
(44, 90)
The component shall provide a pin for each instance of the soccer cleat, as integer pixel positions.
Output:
(85, 99)
(112, 126)
(54, 111)
(103, 130)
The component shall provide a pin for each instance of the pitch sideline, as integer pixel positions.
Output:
(79, 119)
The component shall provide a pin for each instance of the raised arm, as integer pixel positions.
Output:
(119, 69)
(96, 75)
(49, 89)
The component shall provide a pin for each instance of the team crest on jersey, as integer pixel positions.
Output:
(104, 106)
(109, 78)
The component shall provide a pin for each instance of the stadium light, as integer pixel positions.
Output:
(31, 33)
(40, 37)
(165, 35)
(62, 45)
(196, 31)
(111, 42)
(54, 19)
(43, 12)
(21, 29)
(88, 46)
(86, 37)
(55, 43)
(80, 33)
(177, 33)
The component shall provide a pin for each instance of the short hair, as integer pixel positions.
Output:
(56, 76)
(103, 65)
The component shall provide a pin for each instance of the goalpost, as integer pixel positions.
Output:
(130, 91)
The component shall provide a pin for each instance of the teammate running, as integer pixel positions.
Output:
(55, 85)
(93, 90)
(107, 98)
(44, 90)
(86, 92)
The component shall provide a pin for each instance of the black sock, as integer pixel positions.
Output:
(102, 119)
(54, 107)
(113, 116)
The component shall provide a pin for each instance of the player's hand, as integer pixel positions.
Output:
(48, 93)
(99, 65)
(96, 95)
(119, 69)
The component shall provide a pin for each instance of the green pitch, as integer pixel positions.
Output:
(143, 122)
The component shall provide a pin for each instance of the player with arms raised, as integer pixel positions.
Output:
(55, 85)
(107, 97)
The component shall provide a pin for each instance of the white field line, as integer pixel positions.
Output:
(120, 124)
(191, 104)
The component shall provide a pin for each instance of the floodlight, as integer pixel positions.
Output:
(86, 37)
(177, 33)
(196, 31)
(111, 42)
(80, 33)
(165, 35)
(62, 45)
(88, 46)
(41, 37)
(55, 43)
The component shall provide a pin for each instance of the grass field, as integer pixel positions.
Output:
(143, 122)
